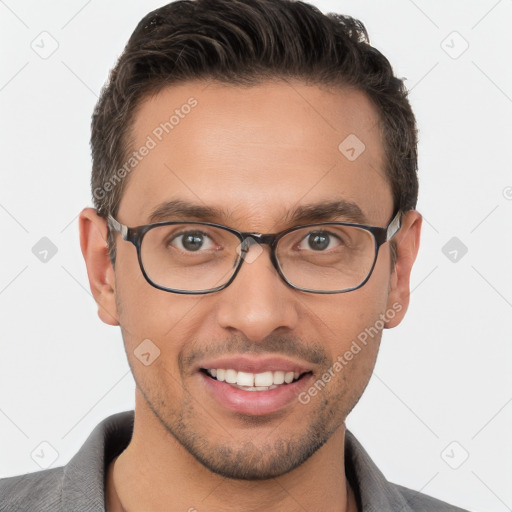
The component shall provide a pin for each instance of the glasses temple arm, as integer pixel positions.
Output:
(120, 228)
(394, 226)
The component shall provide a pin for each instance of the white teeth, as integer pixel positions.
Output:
(255, 388)
(246, 379)
(254, 381)
(231, 376)
(264, 379)
(278, 377)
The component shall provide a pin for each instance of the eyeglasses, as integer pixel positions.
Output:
(202, 257)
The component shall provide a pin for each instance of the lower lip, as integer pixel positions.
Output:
(255, 402)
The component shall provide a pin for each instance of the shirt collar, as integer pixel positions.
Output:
(85, 474)
(372, 489)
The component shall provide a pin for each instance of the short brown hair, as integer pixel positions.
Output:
(245, 42)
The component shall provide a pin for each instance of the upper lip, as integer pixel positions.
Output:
(255, 365)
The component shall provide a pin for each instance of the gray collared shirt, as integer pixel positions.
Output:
(79, 486)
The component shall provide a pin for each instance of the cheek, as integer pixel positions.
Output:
(147, 313)
(353, 324)
(350, 315)
(156, 327)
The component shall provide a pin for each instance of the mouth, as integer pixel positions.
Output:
(248, 381)
(254, 387)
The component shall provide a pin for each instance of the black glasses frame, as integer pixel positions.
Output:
(135, 235)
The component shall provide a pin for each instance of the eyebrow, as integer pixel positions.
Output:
(314, 212)
(182, 209)
(325, 211)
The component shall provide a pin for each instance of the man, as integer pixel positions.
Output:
(254, 177)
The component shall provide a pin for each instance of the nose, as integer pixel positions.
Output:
(258, 301)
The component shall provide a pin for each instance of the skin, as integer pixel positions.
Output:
(258, 153)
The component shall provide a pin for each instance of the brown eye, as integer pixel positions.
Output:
(319, 241)
(192, 241)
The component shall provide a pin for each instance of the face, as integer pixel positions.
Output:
(255, 155)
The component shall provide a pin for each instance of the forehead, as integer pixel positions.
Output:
(256, 153)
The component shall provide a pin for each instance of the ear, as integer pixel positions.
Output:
(93, 241)
(407, 242)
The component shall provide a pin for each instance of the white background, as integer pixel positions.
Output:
(444, 375)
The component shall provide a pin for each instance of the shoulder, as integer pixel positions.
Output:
(39, 491)
(419, 502)
(77, 486)
(376, 493)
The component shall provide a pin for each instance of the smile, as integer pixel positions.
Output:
(264, 381)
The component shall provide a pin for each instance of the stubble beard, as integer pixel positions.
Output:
(244, 459)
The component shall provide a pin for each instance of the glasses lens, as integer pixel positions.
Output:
(189, 257)
(326, 258)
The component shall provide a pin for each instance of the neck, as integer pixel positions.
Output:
(156, 473)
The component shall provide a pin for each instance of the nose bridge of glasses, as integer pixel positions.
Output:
(256, 239)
